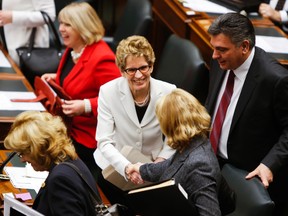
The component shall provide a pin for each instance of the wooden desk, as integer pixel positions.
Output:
(11, 79)
(6, 186)
(171, 17)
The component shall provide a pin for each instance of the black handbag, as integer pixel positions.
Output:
(100, 208)
(36, 61)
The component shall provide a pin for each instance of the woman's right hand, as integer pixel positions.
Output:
(48, 76)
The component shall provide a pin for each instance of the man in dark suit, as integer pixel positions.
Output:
(254, 134)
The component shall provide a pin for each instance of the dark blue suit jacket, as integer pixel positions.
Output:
(65, 193)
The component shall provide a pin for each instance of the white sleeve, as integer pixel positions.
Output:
(104, 136)
(284, 16)
(34, 17)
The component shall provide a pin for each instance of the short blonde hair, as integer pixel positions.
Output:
(182, 117)
(135, 46)
(42, 136)
(83, 19)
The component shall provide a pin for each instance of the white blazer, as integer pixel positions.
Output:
(26, 15)
(118, 124)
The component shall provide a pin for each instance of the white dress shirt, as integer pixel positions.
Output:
(240, 76)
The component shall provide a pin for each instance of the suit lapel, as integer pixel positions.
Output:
(155, 93)
(80, 64)
(247, 90)
(128, 101)
(219, 76)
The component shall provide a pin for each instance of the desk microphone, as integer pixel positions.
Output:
(2, 176)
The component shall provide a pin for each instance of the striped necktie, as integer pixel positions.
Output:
(221, 112)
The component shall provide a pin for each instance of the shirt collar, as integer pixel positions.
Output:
(242, 71)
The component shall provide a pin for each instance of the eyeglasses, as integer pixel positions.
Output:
(142, 69)
(20, 155)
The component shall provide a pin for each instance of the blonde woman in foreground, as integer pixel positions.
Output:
(186, 124)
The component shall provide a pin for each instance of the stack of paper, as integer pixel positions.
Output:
(26, 177)
(272, 44)
(205, 6)
(7, 104)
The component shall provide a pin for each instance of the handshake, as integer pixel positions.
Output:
(132, 172)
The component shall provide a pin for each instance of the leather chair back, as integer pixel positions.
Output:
(252, 199)
(181, 63)
(135, 20)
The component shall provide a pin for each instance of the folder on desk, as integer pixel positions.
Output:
(161, 199)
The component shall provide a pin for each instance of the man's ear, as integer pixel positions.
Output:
(245, 46)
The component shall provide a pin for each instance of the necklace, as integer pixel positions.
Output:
(144, 102)
(75, 55)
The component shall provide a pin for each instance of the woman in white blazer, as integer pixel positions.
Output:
(18, 17)
(126, 112)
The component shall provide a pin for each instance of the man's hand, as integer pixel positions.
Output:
(264, 173)
(268, 12)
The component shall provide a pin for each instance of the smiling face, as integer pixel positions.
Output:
(71, 37)
(138, 82)
(229, 55)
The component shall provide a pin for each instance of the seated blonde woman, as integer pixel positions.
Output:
(41, 139)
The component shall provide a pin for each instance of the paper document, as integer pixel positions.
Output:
(3, 60)
(23, 196)
(206, 6)
(26, 177)
(272, 44)
(7, 104)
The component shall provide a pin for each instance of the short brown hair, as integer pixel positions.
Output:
(134, 46)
